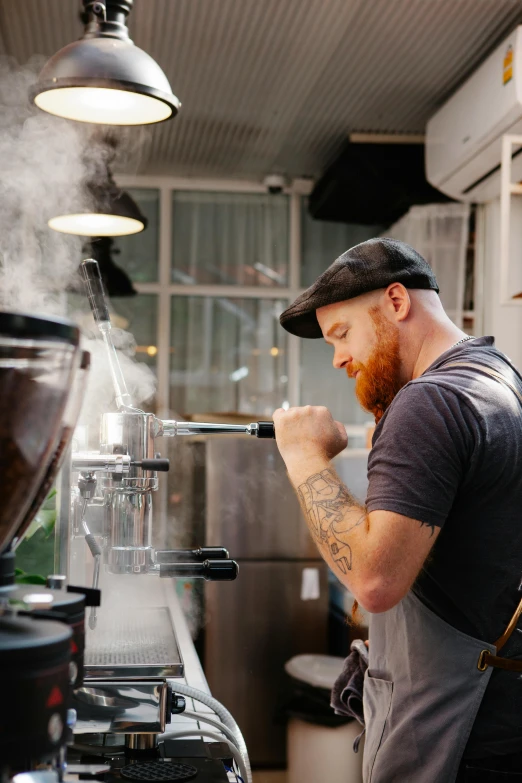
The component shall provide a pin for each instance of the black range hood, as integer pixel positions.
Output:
(373, 183)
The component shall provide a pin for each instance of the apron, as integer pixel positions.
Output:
(423, 687)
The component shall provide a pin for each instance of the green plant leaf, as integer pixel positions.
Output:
(30, 579)
(45, 518)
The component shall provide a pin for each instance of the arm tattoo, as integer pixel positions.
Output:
(428, 524)
(325, 501)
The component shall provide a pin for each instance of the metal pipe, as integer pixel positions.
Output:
(140, 741)
(122, 397)
(97, 299)
(171, 428)
(111, 463)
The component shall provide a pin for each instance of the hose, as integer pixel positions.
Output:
(222, 713)
(215, 723)
(234, 750)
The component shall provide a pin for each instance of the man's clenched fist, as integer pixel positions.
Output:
(308, 433)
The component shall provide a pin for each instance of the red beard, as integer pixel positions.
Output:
(379, 380)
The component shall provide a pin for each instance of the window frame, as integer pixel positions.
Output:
(164, 289)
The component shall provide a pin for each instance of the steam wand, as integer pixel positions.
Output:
(90, 272)
(91, 275)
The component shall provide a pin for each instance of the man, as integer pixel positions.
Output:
(435, 554)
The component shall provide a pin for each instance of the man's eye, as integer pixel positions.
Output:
(343, 335)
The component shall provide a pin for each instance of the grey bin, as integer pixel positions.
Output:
(319, 743)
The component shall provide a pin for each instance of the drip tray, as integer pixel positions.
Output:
(137, 643)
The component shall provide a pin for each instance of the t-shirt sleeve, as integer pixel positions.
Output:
(420, 454)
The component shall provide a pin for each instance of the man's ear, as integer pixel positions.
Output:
(397, 296)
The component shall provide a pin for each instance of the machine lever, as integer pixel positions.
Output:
(211, 570)
(152, 464)
(191, 555)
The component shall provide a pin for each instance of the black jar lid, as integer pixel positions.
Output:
(30, 327)
(25, 640)
(72, 605)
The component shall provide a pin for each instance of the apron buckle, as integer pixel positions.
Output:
(482, 664)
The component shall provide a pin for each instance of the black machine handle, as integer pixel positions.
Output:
(265, 429)
(211, 570)
(90, 272)
(92, 594)
(157, 464)
(191, 555)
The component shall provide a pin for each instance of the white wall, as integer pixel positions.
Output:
(504, 322)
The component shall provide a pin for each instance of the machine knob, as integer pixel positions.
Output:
(220, 570)
(265, 429)
(178, 704)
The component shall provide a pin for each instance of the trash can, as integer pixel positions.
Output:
(319, 742)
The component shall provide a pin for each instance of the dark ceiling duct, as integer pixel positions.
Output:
(103, 77)
(373, 183)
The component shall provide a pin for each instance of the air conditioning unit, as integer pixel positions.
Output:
(464, 138)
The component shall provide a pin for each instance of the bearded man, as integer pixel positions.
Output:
(435, 554)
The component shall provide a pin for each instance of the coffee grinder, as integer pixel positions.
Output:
(41, 629)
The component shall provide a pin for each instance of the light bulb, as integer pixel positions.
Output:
(103, 105)
(91, 224)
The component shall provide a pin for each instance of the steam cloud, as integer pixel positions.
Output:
(45, 163)
(41, 175)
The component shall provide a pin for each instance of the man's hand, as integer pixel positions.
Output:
(308, 433)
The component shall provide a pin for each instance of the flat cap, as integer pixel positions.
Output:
(374, 264)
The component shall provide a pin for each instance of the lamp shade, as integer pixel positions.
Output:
(115, 214)
(104, 78)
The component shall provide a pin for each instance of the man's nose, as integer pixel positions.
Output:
(341, 359)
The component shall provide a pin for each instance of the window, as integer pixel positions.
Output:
(227, 355)
(322, 242)
(211, 286)
(138, 254)
(230, 238)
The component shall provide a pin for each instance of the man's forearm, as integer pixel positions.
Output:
(338, 523)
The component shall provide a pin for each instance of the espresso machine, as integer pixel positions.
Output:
(106, 535)
(42, 374)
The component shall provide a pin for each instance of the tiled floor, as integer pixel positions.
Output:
(267, 776)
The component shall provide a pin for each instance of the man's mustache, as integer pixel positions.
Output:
(352, 370)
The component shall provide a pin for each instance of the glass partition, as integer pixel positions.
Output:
(228, 355)
(230, 238)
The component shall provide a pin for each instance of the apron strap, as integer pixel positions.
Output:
(486, 658)
(493, 373)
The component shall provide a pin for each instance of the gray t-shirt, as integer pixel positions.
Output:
(448, 453)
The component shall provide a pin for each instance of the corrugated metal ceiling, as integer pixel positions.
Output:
(276, 85)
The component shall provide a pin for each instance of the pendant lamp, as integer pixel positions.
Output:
(114, 213)
(104, 78)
